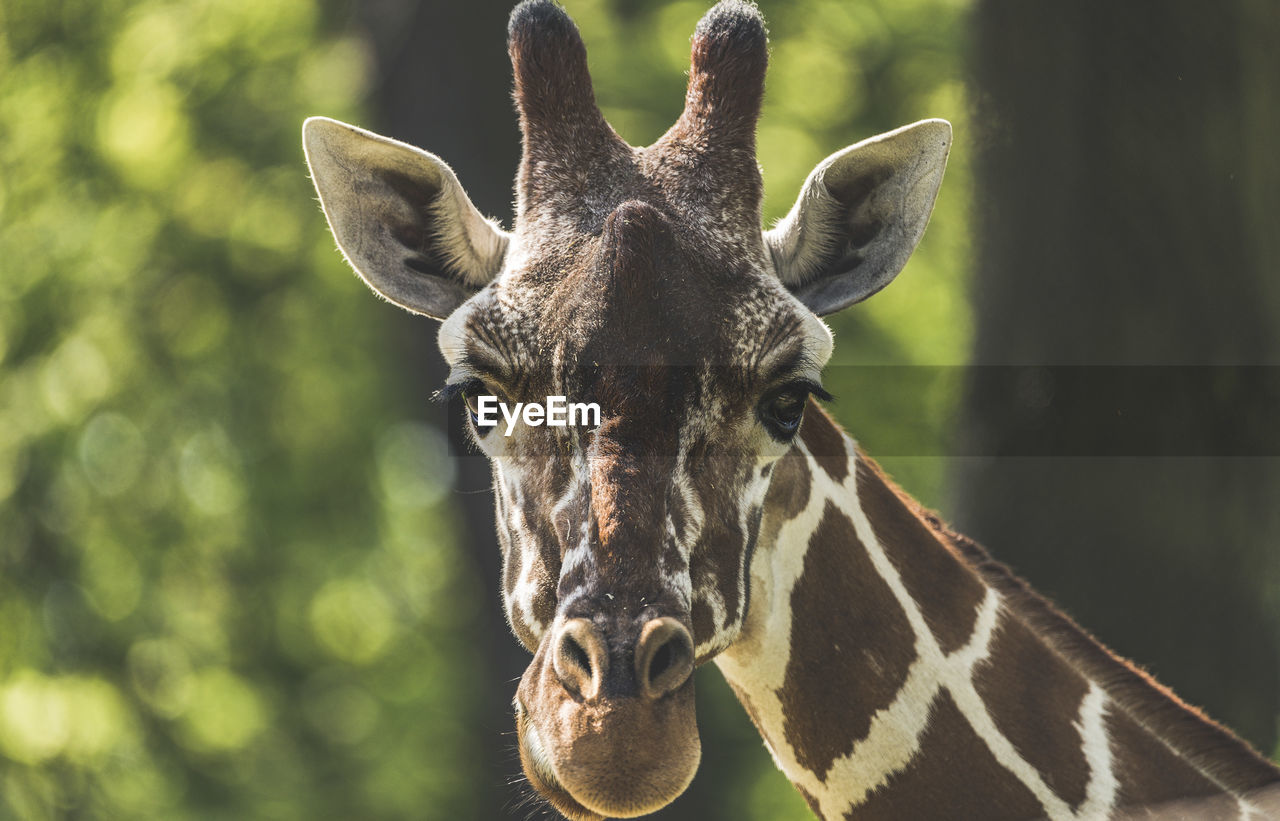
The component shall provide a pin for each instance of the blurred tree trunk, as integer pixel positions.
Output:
(1127, 196)
(444, 83)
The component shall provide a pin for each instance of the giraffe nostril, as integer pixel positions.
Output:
(662, 661)
(575, 655)
(664, 657)
(580, 658)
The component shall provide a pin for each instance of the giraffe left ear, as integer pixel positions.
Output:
(401, 218)
(859, 216)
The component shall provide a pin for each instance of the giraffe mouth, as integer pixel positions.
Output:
(595, 759)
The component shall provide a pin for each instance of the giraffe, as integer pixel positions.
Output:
(716, 513)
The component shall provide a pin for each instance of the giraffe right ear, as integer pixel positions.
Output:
(401, 218)
(860, 215)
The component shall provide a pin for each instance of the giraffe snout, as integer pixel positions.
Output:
(655, 660)
(605, 713)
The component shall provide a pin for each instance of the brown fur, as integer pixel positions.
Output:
(709, 155)
(604, 278)
(825, 441)
(948, 599)
(954, 776)
(1034, 702)
(567, 143)
(850, 646)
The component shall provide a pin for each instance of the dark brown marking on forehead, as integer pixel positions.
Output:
(942, 584)
(851, 646)
(953, 776)
(633, 452)
(825, 441)
(1148, 771)
(1034, 697)
(646, 292)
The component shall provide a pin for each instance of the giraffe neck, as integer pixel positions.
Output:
(895, 671)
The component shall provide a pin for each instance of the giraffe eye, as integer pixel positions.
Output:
(782, 410)
(471, 392)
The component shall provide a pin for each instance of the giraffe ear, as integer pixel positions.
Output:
(401, 218)
(859, 216)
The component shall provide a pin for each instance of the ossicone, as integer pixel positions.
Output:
(727, 68)
(553, 89)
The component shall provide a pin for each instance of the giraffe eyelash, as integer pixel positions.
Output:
(452, 389)
(806, 385)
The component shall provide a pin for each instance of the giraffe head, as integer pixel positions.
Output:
(638, 279)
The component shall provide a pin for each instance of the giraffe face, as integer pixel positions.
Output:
(637, 279)
(701, 363)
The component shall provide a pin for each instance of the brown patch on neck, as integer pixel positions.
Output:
(945, 588)
(825, 441)
(851, 647)
(1149, 772)
(953, 775)
(1034, 697)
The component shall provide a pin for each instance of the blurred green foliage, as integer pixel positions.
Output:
(229, 585)
(227, 582)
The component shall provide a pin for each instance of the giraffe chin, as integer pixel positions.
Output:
(602, 758)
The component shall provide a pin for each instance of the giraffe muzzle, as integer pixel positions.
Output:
(605, 718)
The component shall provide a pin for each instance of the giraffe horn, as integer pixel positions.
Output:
(726, 83)
(564, 132)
